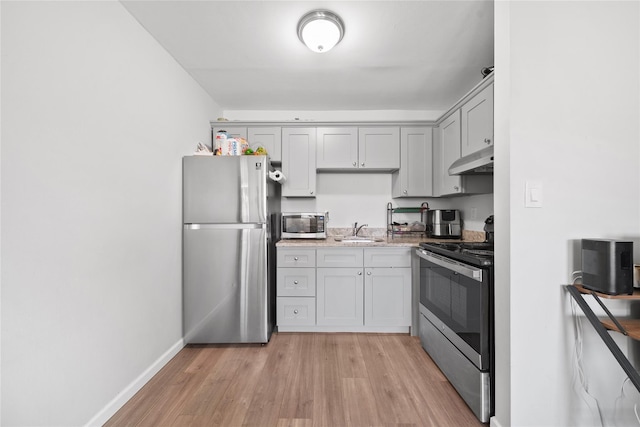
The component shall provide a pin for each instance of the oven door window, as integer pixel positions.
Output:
(457, 301)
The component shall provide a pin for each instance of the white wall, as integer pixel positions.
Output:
(567, 113)
(96, 117)
(363, 197)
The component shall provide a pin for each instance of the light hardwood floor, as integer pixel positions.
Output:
(300, 380)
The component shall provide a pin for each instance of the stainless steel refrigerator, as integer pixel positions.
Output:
(230, 214)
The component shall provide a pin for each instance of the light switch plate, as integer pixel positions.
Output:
(533, 194)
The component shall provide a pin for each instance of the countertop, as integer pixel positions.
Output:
(387, 241)
(397, 241)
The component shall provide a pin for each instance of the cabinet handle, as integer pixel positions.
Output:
(368, 273)
(295, 258)
(310, 192)
(355, 164)
(359, 273)
(295, 311)
(362, 164)
(487, 141)
(404, 192)
(456, 188)
(295, 282)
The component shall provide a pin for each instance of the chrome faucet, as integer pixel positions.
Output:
(357, 229)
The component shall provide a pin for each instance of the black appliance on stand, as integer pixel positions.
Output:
(456, 317)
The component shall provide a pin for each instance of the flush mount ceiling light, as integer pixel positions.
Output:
(320, 30)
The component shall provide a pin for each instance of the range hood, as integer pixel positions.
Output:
(480, 162)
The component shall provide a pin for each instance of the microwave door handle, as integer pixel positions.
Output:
(472, 273)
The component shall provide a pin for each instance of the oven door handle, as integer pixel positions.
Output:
(465, 270)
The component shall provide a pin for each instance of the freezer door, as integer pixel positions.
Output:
(226, 290)
(224, 189)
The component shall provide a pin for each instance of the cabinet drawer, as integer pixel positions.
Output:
(387, 257)
(339, 257)
(294, 311)
(299, 282)
(296, 257)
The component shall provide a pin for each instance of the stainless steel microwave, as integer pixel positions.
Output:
(304, 225)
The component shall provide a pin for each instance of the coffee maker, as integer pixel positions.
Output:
(488, 229)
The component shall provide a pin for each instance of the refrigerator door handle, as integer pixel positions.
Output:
(224, 226)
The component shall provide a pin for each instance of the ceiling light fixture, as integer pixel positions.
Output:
(320, 30)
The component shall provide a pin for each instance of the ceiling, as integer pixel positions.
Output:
(420, 55)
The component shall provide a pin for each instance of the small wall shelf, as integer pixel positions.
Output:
(627, 326)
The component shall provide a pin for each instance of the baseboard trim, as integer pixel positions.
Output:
(493, 422)
(123, 397)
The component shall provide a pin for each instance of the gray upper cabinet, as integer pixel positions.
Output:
(466, 129)
(477, 121)
(364, 148)
(268, 137)
(299, 162)
(448, 151)
(379, 148)
(232, 131)
(415, 176)
(337, 148)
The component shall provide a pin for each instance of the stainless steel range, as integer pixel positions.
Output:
(456, 317)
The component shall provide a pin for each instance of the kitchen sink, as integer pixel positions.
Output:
(357, 239)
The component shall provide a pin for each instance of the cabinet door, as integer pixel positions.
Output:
(379, 148)
(337, 148)
(299, 162)
(449, 153)
(477, 121)
(339, 299)
(268, 137)
(387, 297)
(415, 177)
(232, 131)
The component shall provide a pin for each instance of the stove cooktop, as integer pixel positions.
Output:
(478, 253)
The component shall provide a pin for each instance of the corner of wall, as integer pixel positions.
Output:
(118, 402)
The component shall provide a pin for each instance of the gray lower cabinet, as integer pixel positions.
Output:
(387, 287)
(296, 287)
(340, 297)
(347, 289)
(296, 311)
(387, 296)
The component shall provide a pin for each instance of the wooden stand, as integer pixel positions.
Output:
(629, 327)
